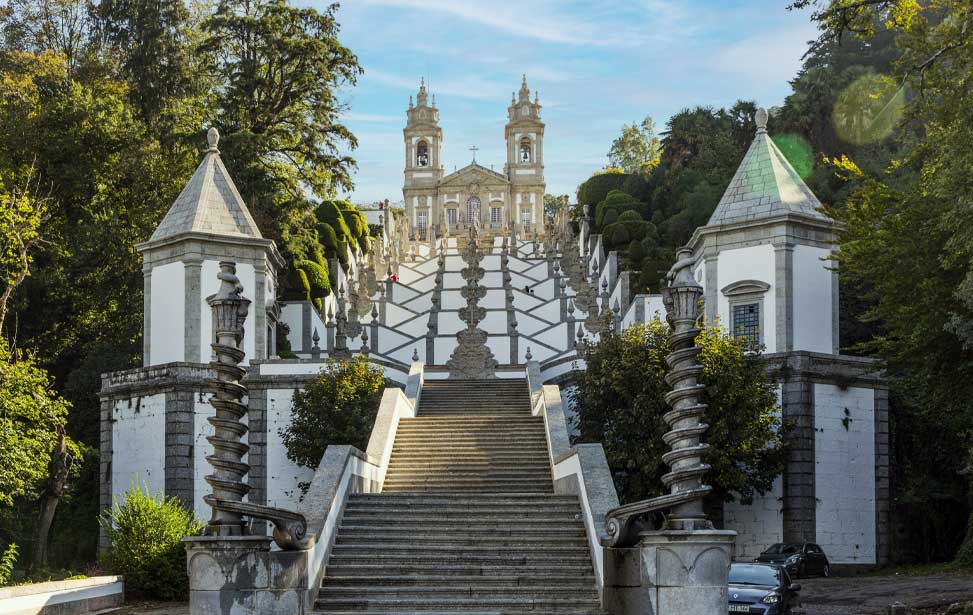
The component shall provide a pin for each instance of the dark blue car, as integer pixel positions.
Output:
(762, 589)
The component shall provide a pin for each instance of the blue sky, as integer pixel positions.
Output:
(596, 64)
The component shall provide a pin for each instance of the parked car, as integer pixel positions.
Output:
(799, 559)
(762, 589)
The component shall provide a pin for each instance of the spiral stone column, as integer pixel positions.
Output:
(229, 314)
(686, 428)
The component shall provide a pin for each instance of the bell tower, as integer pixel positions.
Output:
(524, 134)
(423, 162)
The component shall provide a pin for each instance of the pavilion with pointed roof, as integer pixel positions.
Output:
(207, 223)
(763, 255)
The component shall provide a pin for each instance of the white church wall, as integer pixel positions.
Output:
(201, 449)
(761, 523)
(168, 314)
(420, 303)
(758, 525)
(283, 475)
(844, 475)
(812, 300)
(291, 314)
(753, 263)
(138, 444)
(209, 285)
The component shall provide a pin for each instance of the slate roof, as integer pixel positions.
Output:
(765, 186)
(210, 203)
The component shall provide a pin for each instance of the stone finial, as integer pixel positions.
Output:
(528, 356)
(364, 342)
(213, 139)
(315, 349)
(415, 354)
(761, 118)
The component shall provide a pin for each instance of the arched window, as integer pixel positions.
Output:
(422, 154)
(525, 151)
(473, 210)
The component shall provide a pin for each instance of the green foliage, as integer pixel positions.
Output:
(906, 244)
(619, 401)
(594, 190)
(637, 149)
(146, 544)
(615, 201)
(30, 415)
(337, 407)
(315, 278)
(554, 204)
(8, 559)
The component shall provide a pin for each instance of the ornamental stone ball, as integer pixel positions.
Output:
(213, 138)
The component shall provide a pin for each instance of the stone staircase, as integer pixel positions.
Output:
(468, 521)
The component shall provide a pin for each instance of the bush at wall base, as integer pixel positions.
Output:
(146, 534)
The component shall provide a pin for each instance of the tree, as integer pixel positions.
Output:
(619, 401)
(337, 407)
(279, 112)
(31, 415)
(637, 149)
(22, 212)
(554, 204)
(913, 219)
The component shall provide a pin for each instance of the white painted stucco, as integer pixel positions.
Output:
(138, 444)
(168, 314)
(753, 263)
(812, 299)
(844, 473)
(209, 285)
(283, 475)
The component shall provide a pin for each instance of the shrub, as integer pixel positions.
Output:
(619, 401)
(146, 544)
(630, 216)
(619, 202)
(594, 190)
(337, 407)
(7, 560)
(316, 277)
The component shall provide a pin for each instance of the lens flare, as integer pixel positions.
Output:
(868, 110)
(797, 151)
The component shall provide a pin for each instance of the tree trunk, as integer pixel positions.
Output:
(59, 474)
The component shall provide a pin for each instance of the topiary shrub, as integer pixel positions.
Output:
(146, 544)
(630, 216)
(337, 407)
(594, 190)
(316, 277)
(616, 201)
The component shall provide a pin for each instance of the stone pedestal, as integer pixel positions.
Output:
(670, 573)
(240, 575)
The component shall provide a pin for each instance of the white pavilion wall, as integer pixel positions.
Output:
(138, 444)
(167, 314)
(844, 473)
(753, 263)
(812, 300)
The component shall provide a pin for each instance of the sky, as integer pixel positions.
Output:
(597, 65)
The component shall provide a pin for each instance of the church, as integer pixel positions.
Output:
(512, 199)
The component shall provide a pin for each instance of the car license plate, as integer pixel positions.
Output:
(739, 608)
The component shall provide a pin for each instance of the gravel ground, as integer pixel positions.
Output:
(874, 594)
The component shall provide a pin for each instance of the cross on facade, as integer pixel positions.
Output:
(474, 149)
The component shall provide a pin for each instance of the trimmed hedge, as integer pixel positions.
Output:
(594, 190)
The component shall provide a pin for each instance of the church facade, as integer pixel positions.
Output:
(513, 198)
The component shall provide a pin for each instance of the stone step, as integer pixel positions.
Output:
(398, 474)
(398, 604)
(481, 540)
(447, 465)
(373, 611)
(461, 570)
(474, 481)
(485, 499)
(469, 582)
(523, 555)
(473, 595)
(492, 428)
(469, 530)
(461, 517)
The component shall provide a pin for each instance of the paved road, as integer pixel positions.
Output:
(873, 595)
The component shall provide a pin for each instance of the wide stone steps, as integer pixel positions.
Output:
(467, 522)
